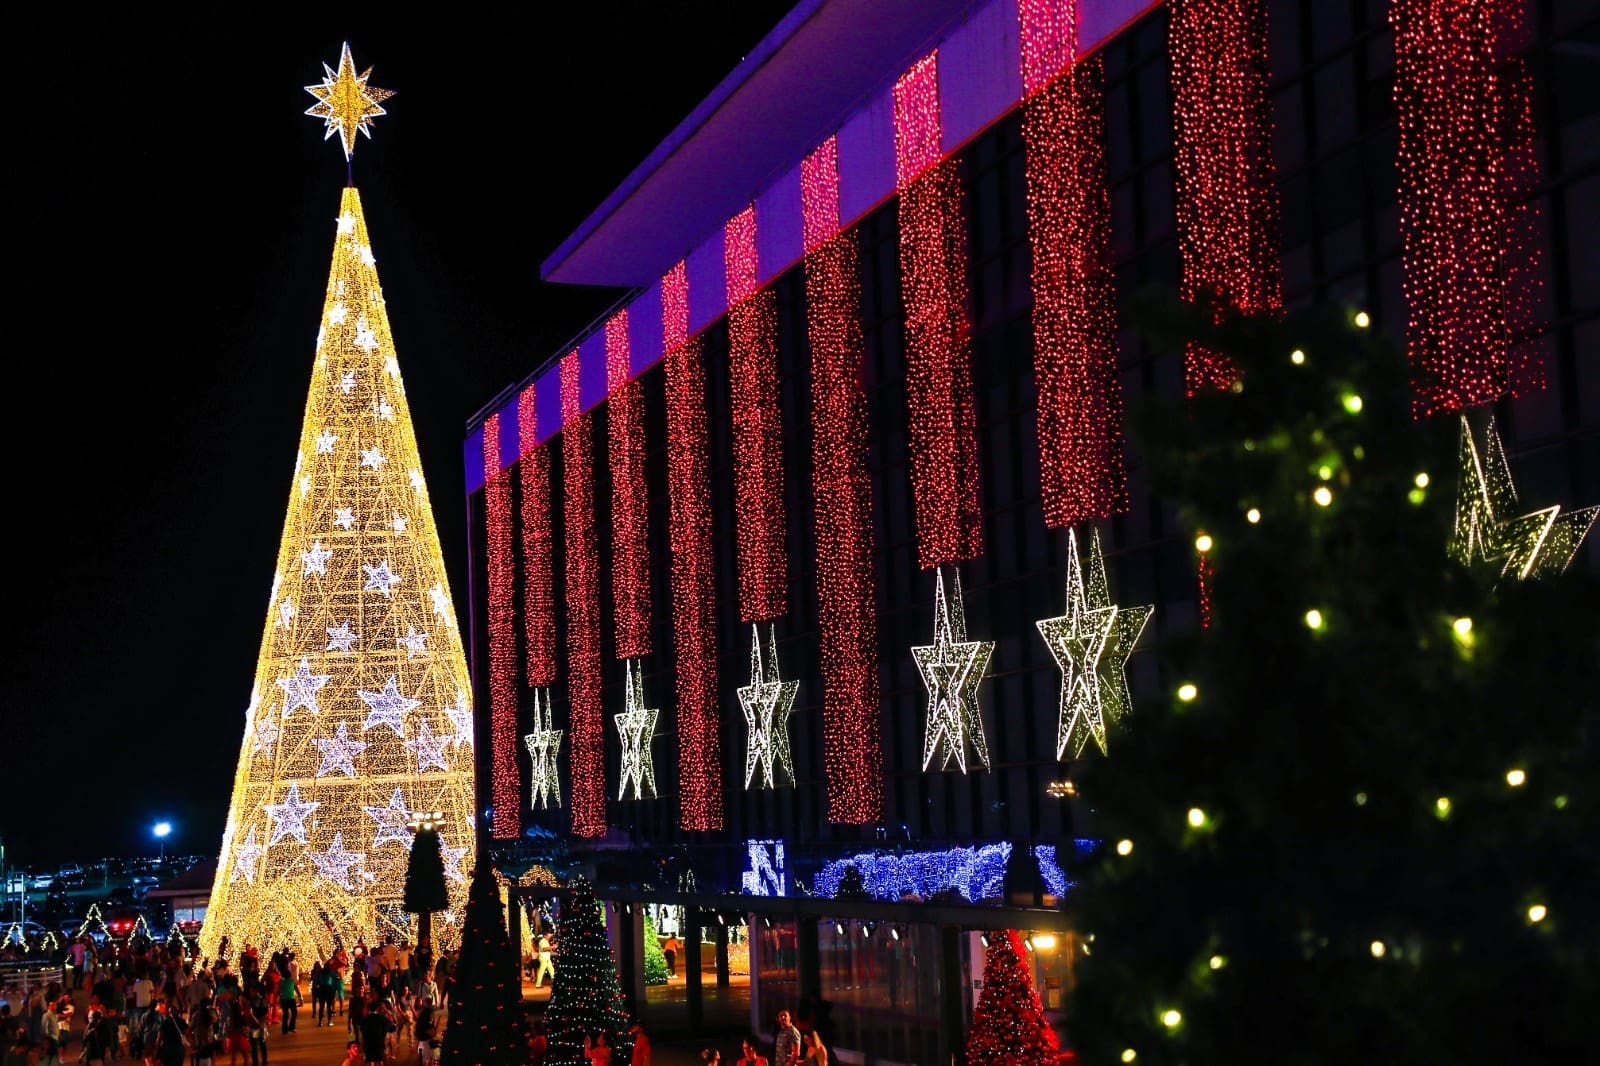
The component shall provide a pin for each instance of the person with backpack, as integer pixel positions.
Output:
(171, 1043)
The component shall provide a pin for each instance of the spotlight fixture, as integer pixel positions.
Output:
(894, 931)
(838, 927)
(983, 938)
(1027, 942)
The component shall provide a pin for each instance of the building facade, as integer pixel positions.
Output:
(699, 498)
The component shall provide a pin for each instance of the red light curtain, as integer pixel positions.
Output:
(588, 752)
(630, 547)
(505, 781)
(538, 584)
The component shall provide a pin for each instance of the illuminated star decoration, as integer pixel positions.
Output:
(245, 858)
(285, 613)
(415, 643)
(544, 744)
(636, 725)
(315, 560)
(441, 604)
(380, 578)
(289, 817)
(339, 752)
(768, 700)
(1091, 644)
(302, 688)
(334, 864)
(452, 860)
(393, 821)
(344, 517)
(325, 442)
(348, 382)
(460, 713)
(372, 457)
(267, 730)
(429, 749)
(387, 707)
(345, 102)
(342, 638)
(1535, 544)
(952, 668)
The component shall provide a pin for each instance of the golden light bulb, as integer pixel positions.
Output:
(1124, 847)
(1253, 515)
(1378, 949)
(1203, 542)
(1297, 357)
(1363, 320)
(1323, 495)
(1197, 817)
(1516, 778)
(1314, 619)
(1128, 1054)
(1171, 1018)
(1188, 691)
(1537, 912)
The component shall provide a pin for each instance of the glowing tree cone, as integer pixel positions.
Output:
(359, 715)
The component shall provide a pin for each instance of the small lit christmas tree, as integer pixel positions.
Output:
(655, 960)
(1362, 825)
(425, 890)
(586, 997)
(485, 1016)
(1008, 1026)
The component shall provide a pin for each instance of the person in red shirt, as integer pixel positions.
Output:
(748, 1055)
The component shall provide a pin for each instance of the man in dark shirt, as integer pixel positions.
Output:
(375, 1030)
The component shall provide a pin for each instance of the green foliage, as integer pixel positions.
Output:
(585, 997)
(655, 960)
(1317, 756)
(425, 890)
(485, 1016)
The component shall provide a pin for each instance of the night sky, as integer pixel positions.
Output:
(170, 227)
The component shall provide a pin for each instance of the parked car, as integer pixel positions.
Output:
(44, 880)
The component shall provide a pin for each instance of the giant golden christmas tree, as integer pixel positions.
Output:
(360, 717)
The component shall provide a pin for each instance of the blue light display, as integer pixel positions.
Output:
(977, 873)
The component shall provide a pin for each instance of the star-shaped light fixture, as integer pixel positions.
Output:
(302, 688)
(1535, 544)
(380, 578)
(245, 858)
(543, 744)
(341, 637)
(387, 707)
(768, 700)
(636, 725)
(334, 864)
(428, 748)
(952, 668)
(460, 714)
(315, 561)
(345, 102)
(289, 817)
(452, 862)
(339, 752)
(394, 821)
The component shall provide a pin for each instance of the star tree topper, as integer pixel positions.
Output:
(952, 668)
(768, 700)
(544, 744)
(636, 725)
(1535, 544)
(345, 102)
(1091, 644)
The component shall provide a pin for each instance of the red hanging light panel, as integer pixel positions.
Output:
(588, 752)
(505, 778)
(630, 546)
(538, 586)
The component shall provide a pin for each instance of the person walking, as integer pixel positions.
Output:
(641, 1045)
(547, 963)
(375, 1030)
(288, 1005)
(786, 1050)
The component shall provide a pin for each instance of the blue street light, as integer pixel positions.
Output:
(162, 830)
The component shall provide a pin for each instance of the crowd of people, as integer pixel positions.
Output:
(156, 1004)
(792, 1045)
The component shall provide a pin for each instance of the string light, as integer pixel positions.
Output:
(636, 726)
(1197, 817)
(767, 700)
(1516, 778)
(544, 745)
(1314, 619)
(1323, 496)
(1537, 913)
(765, 876)
(1378, 949)
(586, 754)
(692, 569)
(757, 427)
(1536, 544)
(976, 873)
(505, 781)
(1171, 1018)
(1227, 201)
(1463, 106)
(269, 890)
(1124, 847)
(347, 104)
(538, 551)
(1128, 1054)
(842, 492)
(1362, 320)
(1082, 471)
(1091, 643)
(942, 412)
(630, 546)
(1421, 481)
(1203, 543)
(1253, 515)
(1441, 807)
(952, 668)
(1188, 691)
(1217, 962)
(1297, 357)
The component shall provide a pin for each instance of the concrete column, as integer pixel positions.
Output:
(628, 943)
(952, 987)
(808, 963)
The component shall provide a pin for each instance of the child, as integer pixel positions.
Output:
(352, 1053)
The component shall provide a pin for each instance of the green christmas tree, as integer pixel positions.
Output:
(655, 960)
(425, 890)
(1008, 1026)
(485, 1016)
(1359, 824)
(585, 997)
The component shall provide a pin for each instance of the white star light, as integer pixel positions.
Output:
(322, 335)
(245, 858)
(344, 517)
(636, 725)
(365, 252)
(399, 523)
(337, 314)
(285, 612)
(289, 817)
(544, 744)
(768, 700)
(347, 224)
(315, 560)
(387, 707)
(339, 753)
(267, 730)
(393, 821)
(380, 578)
(302, 688)
(413, 642)
(366, 340)
(342, 638)
(305, 485)
(348, 382)
(385, 410)
(334, 864)
(392, 365)
(452, 863)
(428, 748)
(416, 480)
(325, 442)
(372, 457)
(952, 667)
(460, 714)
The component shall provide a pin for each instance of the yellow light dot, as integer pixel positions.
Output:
(1537, 912)
(1363, 320)
(1187, 691)
(1421, 481)
(1314, 618)
(1171, 1018)
(1045, 941)
(1325, 472)
(1441, 806)
(1462, 626)
(1203, 542)
(1128, 1054)
(1361, 799)
(1218, 962)
(1352, 403)
(1253, 515)
(1197, 817)
(1297, 357)
(1124, 847)
(1516, 778)
(1416, 495)
(1323, 495)
(1378, 949)
(1561, 803)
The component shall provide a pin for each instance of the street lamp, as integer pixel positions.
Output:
(162, 830)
